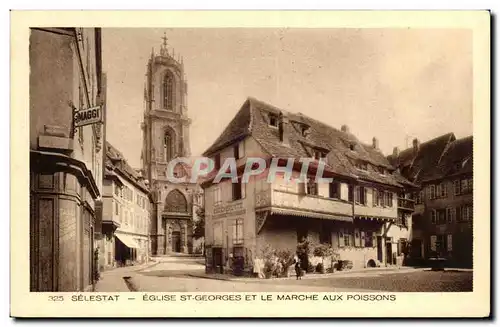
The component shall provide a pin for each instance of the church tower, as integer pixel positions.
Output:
(165, 132)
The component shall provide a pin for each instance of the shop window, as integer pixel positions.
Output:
(345, 238)
(370, 238)
(357, 238)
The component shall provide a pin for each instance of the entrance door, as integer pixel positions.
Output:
(380, 256)
(388, 248)
(416, 249)
(176, 241)
(217, 260)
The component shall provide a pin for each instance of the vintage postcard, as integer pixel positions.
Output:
(250, 164)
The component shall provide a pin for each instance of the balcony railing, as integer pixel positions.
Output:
(302, 202)
(407, 204)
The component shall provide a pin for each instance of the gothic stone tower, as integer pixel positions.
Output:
(166, 136)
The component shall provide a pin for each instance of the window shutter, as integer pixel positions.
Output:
(449, 242)
(357, 240)
(365, 195)
(362, 239)
(374, 239)
(374, 197)
(302, 188)
(341, 238)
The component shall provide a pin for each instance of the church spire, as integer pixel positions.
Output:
(164, 50)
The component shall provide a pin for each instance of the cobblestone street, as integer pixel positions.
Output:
(178, 275)
(414, 281)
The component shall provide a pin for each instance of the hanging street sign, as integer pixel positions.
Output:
(88, 116)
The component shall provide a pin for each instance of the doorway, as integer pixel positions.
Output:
(380, 255)
(388, 249)
(218, 264)
(416, 249)
(176, 241)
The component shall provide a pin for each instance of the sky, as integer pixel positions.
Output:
(392, 84)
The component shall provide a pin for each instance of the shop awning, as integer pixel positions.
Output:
(128, 241)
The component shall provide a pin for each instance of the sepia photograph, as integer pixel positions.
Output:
(233, 160)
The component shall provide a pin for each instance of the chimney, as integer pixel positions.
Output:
(375, 143)
(416, 145)
(284, 128)
(344, 129)
(395, 152)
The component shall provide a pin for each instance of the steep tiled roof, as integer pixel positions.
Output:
(418, 166)
(456, 160)
(115, 161)
(237, 128)
(253, 119)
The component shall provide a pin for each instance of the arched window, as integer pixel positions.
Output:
(176, 202)
(167, 146)
(168, 91)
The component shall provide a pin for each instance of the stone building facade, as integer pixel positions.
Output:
(66, 163)
(356, 214)
(166, 137)
(443, 168)
(126, 216)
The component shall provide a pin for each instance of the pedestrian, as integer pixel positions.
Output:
(298, 269)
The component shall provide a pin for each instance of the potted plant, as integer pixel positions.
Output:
(285, 258)
(335, 258)
(269, 259)
(323, 251)
(268, 269)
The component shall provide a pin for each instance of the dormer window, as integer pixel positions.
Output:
(317, 154)
(305, 130)
(361, 165)
(273, 120)
(351, 147)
